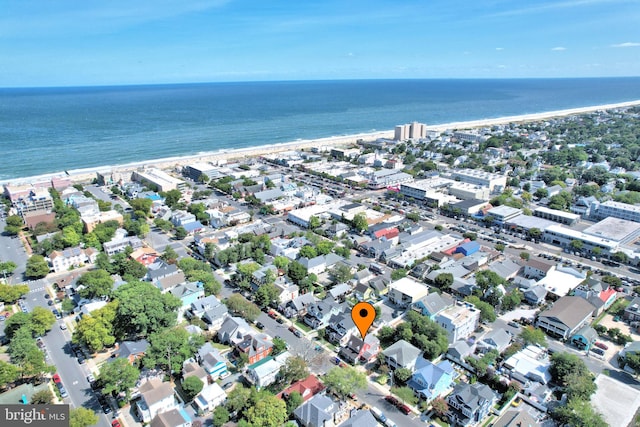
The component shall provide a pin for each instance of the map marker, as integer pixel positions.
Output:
(363, 315)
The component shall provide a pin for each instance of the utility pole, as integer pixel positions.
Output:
(169, 359)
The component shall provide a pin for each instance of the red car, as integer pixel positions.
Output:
(601, 345)
(56, 379)
(115, 423)
(404, 409)
(272, 314)
(392, 400)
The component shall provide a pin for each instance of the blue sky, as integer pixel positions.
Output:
(97, 42)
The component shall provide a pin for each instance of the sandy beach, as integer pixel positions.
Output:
(86, 175)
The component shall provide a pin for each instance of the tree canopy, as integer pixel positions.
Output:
(345, 381)
(96, 283)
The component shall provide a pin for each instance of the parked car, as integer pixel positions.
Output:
(272, 314)
(404, 409)
(598, 351)
(601, 345)
(513, 324)
(63, 391)
(280, 320)
(115, 423)
(91, 378)
(56, 379)
(392, 400)
(259, 325)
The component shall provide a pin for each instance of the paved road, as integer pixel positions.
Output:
(98, 193)
(58, 348)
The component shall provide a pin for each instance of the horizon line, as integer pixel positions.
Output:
(125, 85)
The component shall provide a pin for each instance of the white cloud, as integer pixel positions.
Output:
(559, 48)
(626, 44)
(499, 48)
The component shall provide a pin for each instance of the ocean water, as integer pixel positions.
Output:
(45, 130)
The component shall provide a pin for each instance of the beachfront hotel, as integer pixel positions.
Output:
(413, 130)
(162, 181)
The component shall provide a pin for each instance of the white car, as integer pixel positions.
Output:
(63, 326)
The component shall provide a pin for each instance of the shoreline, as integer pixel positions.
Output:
(87, 174)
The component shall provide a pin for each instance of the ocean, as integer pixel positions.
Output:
(46, 130)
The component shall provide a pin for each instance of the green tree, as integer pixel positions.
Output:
(579, 386)
(402, 375)
(279, 345)
(360, 223)
(141, 205)
(70, 237)
(118, 376)
(340, 273)
(37, 267)
(238, 398)
(239, 305)
(169, 255)
(14, 225)
(578, 413)
(269, 411)
(281, 262)
(11, 293)
(41, 320)
(325, 247)
(171, 197)
(8, 373)
(440, 407)
(96, 331)
(25, 353)
(499, 247)
(171, 346)
(296, 272)
(192, 386)
(576, 245)
(443, 281)
(541, 193)
(96, 283)
(15, 322)
(535, 336)
(398, 274)
(266, 294)
(345, 381)
(294, 369)
(82, 417)
(293, 401)
(67, 305)
(620, 257)
(220, 416)
(406, 395)
(163, 224)
(42, 397)
(143, 309)
(7, 267)
(180, 232)
(564, 364)
(308, 251)
(487, 279)
(525, 256)
(511, 300)
(487, 312)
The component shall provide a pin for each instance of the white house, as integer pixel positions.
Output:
(212, 395)
(156, 397)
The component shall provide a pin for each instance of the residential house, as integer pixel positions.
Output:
(215, 316)
(565, 317)
(298, 306)
(259, 277)
(187, 293)
(71, 257)
(537, 269)
(160, 270)
(212, 361)
(632, 312)
(165, 284)
(339, 292)
(145, 256)
(379, 286)
(233, 331)
(432, 380)
(320, 263)
(319, 313)
(319, 411)
(192, 369)
(286, 291)
(256, 347)
(265, 372)
(584, 337)
(200, 306)
(459, 320)
(358, 350)
(307, 388)
(176, 417)
(531, 363)
(211, 396)
(131, 350)
(363, 292)
(535, 295)
(156, 397)
(363, 276)
(340, 327)
(497, 339)
(401, 354)
(459, 350)
(360, 418)
(432, 304)
(407, 291)
(469, 404)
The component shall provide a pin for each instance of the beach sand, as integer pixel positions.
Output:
(88, 174)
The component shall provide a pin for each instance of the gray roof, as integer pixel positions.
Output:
(402, 352)
(128, 348)
(505, 268)
(435, 302)
(588, 332)
(569, 310)
(340, 290)
(162, 270)
(536, 292)
(498, 337)
(205, 303)
(316, 411)
(472, 395)
(360, 419)
(168, 419)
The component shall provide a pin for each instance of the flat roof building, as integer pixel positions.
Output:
(555, 215)
(503, 214)
(615, 229)
(407, 291)
(162, 181)
(494, 181)
(618, 210)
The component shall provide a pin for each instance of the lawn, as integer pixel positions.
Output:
(302, 326)
(220, 347)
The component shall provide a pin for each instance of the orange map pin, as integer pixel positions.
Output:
(363, 315)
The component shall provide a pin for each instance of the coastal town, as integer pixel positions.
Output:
(502, 259)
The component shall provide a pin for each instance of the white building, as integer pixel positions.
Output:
(494, 181)
(156, 397)
(407, 291)
(212, 395)
(265, 372)
(618, 210)
(71, 257)
(460, 321)
(162, 181)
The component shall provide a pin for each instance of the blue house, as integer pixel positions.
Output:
(431, 381)
(212, 361)
(188, 293)
(584, 337)
(468, 248)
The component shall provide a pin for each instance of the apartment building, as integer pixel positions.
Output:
(460, 321)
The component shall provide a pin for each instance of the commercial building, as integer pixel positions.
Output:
(196, 170)
(158, 179)
(494, 181)
(565, 317)
(413, 130)
(555, 215)
(558, 235)
(466, 191)
(503, 214)
(616, 210)
(419, 189)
